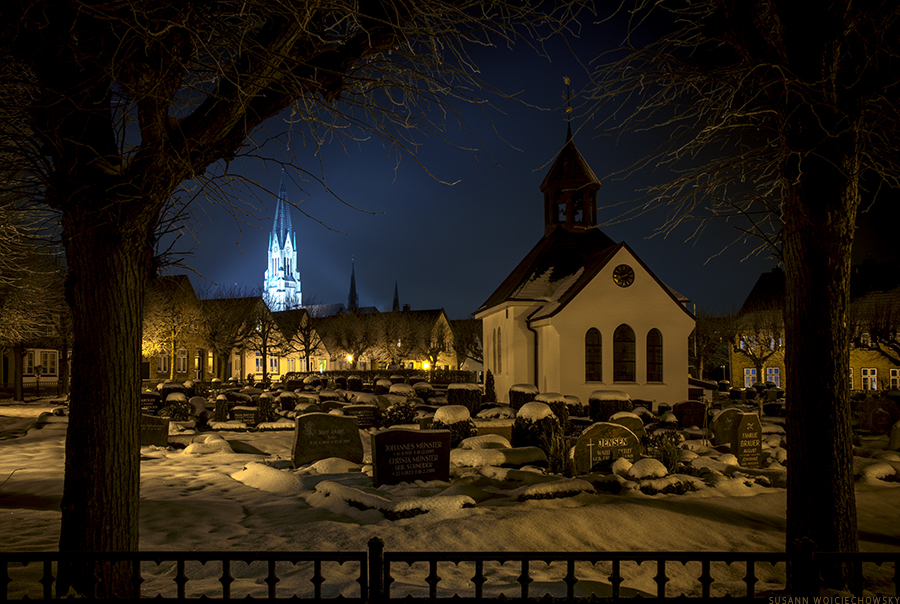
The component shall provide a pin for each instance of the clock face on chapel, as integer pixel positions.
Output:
(623, 275)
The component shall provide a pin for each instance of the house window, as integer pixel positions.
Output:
(773, 374)
(749, 377)
(290, 365)
(29, 363)
(623, 354)
(258, 362)
(48, 362)
(654, 356)
(593, 359)
(869, 378)
(895, 379)
(181, 361)
(851, 378)
(273, 364)
(162, 363)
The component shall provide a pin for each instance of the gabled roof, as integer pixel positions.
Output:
(767, 293)
(555, 258)
(570, 170)
(559, 267)
(289, 321)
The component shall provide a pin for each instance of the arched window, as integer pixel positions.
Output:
(654, 356)
(578, 207)
(499, 352)
(593, 366)
(494, 350)
(559, 207)
(623, 354)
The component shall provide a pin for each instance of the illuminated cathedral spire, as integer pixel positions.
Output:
(282, 281)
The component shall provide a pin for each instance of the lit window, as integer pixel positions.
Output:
(593, 358)
(749, 377)
(48, 362)
(895, 379)
(869, 378)
(623, 354)
(162, 363)
(654, 356)
(29, 363)
(181, 361)
(773, 374)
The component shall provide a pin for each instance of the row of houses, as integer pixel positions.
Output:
(757, 352)
(240, 338)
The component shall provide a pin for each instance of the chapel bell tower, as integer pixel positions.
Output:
(570, 191)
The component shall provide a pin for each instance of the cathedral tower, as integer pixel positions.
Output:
(282, 281)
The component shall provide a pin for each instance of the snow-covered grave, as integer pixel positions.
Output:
(238, 490)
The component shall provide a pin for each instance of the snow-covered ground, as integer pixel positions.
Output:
(235, 490)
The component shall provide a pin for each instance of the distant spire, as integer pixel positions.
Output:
(396, 306)
(282, 225)
(353, 298)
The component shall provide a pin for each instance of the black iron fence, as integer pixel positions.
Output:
(384, 575)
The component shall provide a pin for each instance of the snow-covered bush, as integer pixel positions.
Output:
(382, 386)
(402, 389)
(177, 407)
(456, 419)
(403, 412)
(467, 395)
(266, 406)
(423, 390)
(354, 383)
(519, 394)
(605, 403)
(536, 426)
(557, 403)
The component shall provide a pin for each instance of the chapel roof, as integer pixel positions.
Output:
(570, 169)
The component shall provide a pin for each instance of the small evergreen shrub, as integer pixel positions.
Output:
(601, 409)
(459, 431)
(266, 409)
(354, 383)
(521, 394)
(399, 413)
(664, 446)
(177, 408)
(490, 392)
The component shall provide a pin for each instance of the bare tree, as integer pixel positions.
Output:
(398, 336)
(265, 336)
(353, 334)
(300, 334)
(467, 334)
(171, 315)
(712, 336)
(127, 100)
(226, 315)
(759, 335)
(875, 324)
(773, 114)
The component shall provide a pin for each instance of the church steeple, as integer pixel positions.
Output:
(281, 283)
(570, 188)
(353, 298)
(395, 307)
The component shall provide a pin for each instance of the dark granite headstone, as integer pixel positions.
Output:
(366, 415)
(154, 431)
(151, 402)
(407, 455)
(690, 413)
(746, 439)
(603, 443)
(881, 422)
(630, 421)
(323, 435)
(246, 415)
(721, 425)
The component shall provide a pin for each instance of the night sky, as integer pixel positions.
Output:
(451, 246)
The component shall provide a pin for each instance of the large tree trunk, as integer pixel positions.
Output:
(108, 268)
(820, 213)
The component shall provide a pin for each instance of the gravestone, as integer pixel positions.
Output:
(603, 443)
(502, 427)
(746, 439)
(407, 455)
(630, 421)
(894, 439)
(151, 402)
(881, 422)
(245, 415)
(721, 425)
(198, 405)
(366, 415)
(322, 435)
(328, 405)
(690, 413)
(154, 431)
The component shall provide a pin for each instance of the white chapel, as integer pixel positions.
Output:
(582, 313)
(282, 281)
